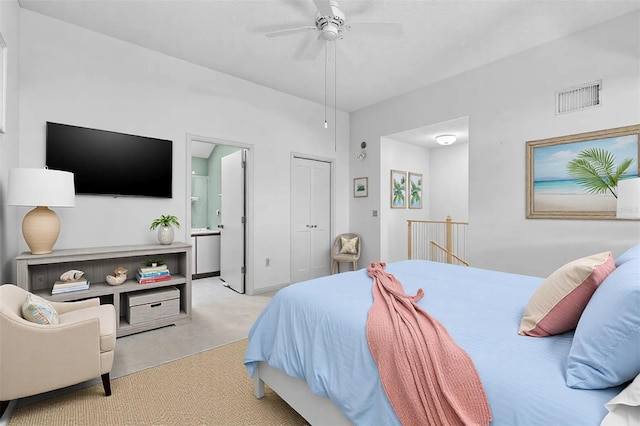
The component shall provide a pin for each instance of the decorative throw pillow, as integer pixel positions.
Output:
(557, 304)
(349, 245)
(38, 310)
(605, 351)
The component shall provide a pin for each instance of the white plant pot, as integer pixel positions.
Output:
(165, 235)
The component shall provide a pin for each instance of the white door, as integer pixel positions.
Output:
(232, 220)
(310, 219)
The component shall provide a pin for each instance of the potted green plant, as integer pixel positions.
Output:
(165, 225)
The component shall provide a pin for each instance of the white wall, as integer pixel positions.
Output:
(393, 230)
(71, 75)
(508, 103)
(9, 218)
(448, 190)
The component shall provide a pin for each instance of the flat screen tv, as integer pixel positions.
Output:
(110, 163)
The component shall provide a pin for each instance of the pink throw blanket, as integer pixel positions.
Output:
(427, 377)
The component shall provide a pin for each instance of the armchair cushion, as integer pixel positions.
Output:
(349, 245)
(106, 316)
(38, 310)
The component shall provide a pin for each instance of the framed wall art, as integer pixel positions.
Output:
(398, 189)
(576, 176)
(360, 187)
(415, 190)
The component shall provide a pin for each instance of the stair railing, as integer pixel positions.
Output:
(438, 241)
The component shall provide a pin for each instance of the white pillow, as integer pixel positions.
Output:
(624, 408)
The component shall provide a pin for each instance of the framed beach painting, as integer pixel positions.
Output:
(415, 190)
(576, 176)
(398, 189)
(360, 187)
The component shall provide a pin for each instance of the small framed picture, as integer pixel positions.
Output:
(360, 187)
(415, 190)
(398, 189)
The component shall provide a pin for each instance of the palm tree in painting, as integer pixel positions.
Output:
(416, 188)
(595, 170)
(398, 191)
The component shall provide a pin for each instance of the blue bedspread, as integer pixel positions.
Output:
(315, 331)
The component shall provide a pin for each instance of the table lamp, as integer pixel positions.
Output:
(42, 188)
(628, 199)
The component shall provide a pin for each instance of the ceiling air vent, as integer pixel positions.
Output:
(579, 97)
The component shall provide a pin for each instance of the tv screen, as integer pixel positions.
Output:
(110, 163)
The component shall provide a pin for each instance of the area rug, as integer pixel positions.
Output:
(209, 388)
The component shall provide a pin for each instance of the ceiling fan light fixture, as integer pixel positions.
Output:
(330, 32)
(445, 139)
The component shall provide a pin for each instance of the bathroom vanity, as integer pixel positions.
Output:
(206, 252)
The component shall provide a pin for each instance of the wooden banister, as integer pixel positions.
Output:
(452, 241)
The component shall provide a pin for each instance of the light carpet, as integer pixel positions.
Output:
(210, 388)
(219, 316)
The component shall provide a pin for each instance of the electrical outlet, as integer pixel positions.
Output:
(375, 213)
(267, 262)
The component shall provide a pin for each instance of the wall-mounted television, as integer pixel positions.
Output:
(110, 163)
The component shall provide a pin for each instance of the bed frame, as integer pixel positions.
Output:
(317, 410)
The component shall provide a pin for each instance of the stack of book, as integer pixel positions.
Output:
(67, 286)
(153, 274)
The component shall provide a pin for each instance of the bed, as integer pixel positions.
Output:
(310, 346)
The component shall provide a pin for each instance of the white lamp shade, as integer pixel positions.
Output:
(41, 187)
(628, 199)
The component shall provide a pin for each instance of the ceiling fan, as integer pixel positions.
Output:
(331, 24)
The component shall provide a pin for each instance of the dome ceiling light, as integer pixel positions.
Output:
(445, 139)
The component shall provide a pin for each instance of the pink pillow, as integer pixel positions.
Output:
(557, 304)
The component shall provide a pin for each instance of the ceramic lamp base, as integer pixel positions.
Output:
(40, 228)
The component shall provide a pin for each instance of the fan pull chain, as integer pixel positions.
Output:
(325, 85)
(335, 98)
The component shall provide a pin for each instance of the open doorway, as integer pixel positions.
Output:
(218, 199)
(444, 170)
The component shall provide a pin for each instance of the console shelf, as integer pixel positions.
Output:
(37, 273)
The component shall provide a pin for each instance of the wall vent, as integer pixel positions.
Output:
(579, 97)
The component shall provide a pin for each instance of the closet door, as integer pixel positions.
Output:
(310, 219)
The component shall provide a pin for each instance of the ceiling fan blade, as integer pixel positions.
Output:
(324, 7)
(360, 6)
(289, 31)
(351, 50)
(307, 47)
(263, 29)
(313, 49)
(377, 28)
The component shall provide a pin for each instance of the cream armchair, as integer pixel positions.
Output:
(36, 358)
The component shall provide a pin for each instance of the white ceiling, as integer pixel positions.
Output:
(439, 39)
(201, 149)
(426, 136)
